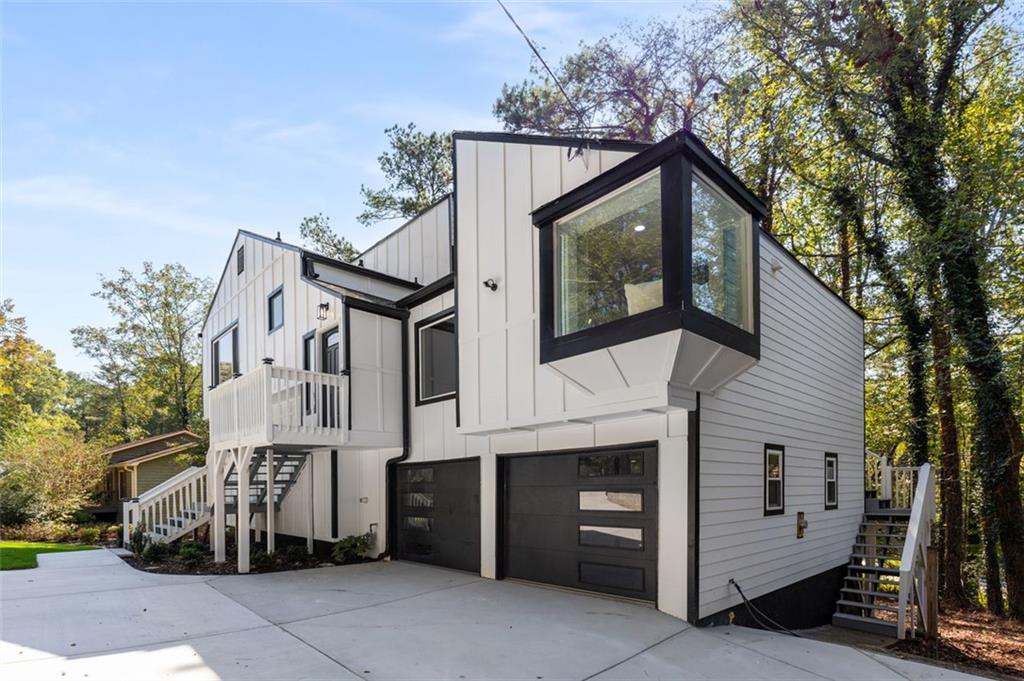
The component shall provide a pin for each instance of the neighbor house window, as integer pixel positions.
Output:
(720, 262)
(774, 488)
(436, 357)
(240, 259)
(224, 355)
(608, 258)
(831, 481)
(275, 310)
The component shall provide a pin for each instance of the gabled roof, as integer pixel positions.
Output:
(152, 447)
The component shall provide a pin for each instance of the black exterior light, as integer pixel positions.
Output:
(321, 311)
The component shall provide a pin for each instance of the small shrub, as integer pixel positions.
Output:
(294, 553)
(17, 504)
(156, 552)
(113, 532)
(137, 540)
(89, 535)
(261, 560)
(351, 548)
(191, 554)
(59, 532)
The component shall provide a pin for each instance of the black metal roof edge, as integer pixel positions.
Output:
(611, 144)
(396, 230)
(357, 269)
(442, 285)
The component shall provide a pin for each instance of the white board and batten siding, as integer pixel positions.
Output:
(242, 299)
(805, 394)
(419, 250)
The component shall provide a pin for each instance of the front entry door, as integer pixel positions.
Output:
(331, 365)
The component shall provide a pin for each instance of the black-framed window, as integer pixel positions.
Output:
(331, 358)
(831, 481)
(224, 356)
(665, 240)
(240, 259)
(774, 479)
(275, 310)
(436, 358)
(309, 364)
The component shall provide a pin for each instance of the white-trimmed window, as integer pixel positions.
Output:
(774, 479)
(275, 310)
(436, 358)
(224, 356)
(831, 480)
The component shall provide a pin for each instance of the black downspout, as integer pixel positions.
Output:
(391, 467)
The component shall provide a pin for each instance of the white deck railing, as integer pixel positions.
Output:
(914, 598)
(279, 405)
(894, 484)
(179, 501)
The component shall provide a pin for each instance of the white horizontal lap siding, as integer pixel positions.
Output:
(806, 394)
(418, 250)
(242, 298)
(501, 381)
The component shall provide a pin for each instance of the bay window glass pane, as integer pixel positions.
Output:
(608, 257)
(720, 267)
(437, 359)
(224, 358)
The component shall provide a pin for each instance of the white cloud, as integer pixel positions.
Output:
(74, 193)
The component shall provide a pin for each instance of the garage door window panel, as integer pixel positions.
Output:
(611, 465)
(600, 536)
(614, 501)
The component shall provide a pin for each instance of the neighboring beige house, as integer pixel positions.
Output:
(136, 467)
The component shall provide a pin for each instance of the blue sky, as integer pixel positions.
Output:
(152, 131)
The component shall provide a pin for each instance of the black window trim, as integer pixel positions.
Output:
(676, 157)
(270, 298)
(240, 259)
(834, 457)
(417, 327)
(231, 328)
(781, 510)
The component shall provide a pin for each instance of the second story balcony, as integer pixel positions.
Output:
(292, 409)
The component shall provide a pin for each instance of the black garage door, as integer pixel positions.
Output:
(439, 513)
(587, 520)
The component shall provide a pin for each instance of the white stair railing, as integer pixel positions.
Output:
(878, 475)
(914, 598)
(170, 509)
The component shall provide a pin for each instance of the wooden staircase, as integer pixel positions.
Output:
(869, 597)
(286, 471)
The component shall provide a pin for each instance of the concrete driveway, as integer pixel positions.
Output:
(89, 615)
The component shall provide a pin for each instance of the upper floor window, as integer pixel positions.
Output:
(831, 481)
(224, 356)
(275, 310)
(774, 486)
(240, 259)
(720, 255)
(665, 240)
(608, 257)
(435, 358)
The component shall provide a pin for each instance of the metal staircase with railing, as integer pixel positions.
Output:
(886, 589)
(183, 504)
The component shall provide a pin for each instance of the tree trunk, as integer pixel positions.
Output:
(949, 480)
(844, 259)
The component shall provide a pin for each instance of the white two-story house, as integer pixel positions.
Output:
(588, 367)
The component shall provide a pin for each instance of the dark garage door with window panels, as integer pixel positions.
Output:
(586, 520)
(439, 513)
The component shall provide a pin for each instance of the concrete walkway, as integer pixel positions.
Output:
(89, 615)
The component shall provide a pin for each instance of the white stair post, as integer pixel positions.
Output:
(271, 482)
(218, 530)
(242, 461)
(309, 502)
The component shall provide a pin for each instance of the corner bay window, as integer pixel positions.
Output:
(608, 257)
(665, 240)
(435, 357)
(224, 356)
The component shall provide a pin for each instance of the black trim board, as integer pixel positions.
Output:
(428, 292)
(782, 480)
(309, 256)
(693, 514)
(549, 140)
(801, 605)
(334, 493)
(830, 456)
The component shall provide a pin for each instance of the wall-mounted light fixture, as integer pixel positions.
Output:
(321, 311)
(491, 284)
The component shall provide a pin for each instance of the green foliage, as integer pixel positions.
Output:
(317, 234)
(60, 532)
(113, 532)
(137, 540)
(82, 517)
(293, 554)
(17, 502)
(192, 554)
(417, 171)
(156, 552)
(349, 549)
(89, 535)
(259, 559)
(21, 555)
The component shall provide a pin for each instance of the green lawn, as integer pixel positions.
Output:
(18, 555)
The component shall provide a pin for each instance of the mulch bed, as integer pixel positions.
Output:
(172, 566)
(976, 640)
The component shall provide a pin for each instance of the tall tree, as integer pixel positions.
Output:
(417, 172)
(317, 233)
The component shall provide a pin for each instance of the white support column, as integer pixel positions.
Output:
(270, 499)
(242, 461)
(309, 502)
(215, 481)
